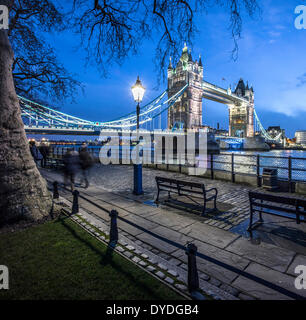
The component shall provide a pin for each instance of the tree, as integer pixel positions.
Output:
(23, 192)
(111, 29)
(36, 70)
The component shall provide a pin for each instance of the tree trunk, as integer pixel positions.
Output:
(23, 192)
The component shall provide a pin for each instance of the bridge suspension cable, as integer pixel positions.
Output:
(264, 133)
(42, 115)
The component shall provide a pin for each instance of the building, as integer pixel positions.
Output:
(300, 137)
(186, 113)
(241, 118)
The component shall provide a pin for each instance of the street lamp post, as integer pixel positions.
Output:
(138, 92)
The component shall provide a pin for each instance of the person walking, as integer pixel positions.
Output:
(86, 162)
(44, 150)
(37, 156)
(71, 166)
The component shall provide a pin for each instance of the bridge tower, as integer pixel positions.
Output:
(241, 117)
(187, 111)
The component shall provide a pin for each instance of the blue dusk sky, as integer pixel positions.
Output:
(272, 58)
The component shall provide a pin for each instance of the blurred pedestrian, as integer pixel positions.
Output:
(44, 150)
(37, 156)
(71, 167)
(86, 162)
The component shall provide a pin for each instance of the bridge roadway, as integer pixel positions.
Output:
(273, 258)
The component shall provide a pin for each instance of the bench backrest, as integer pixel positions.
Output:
(171, 181)
(296, 203)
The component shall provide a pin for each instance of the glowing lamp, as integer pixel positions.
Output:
(138, 90)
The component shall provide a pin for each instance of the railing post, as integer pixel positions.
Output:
(55, 190)
(233, 167)
(113, 234)
(75, 204)
(290, 174)
(258, 170)
(193, 277)
(212, 166)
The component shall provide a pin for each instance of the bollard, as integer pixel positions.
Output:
(193, 278)
(75, 204)
(113, 234)
(55, 190)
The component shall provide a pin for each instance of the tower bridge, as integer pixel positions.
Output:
(187, 111)
(181, 102)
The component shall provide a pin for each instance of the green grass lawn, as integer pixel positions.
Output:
(59, 260)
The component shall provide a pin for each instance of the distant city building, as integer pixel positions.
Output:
(300, 137)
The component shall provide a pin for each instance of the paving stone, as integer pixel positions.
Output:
(128, 254)
(298, 260)
(244, 296)
(122, 242)
(214, 282)
(175, 261)
(152, 261)
(163, 267)
(211, 235)
(204, 276)
(136, 259)
(142, 263)
(262, 292)
(151, 268)
(160, 274)
(181, 287)
(229, 258)
(164, 255)
(173, 273)
(167, 234)
(264, 253)
(169, 280)
(233, 291)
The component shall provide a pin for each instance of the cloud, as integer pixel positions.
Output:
(291, 101)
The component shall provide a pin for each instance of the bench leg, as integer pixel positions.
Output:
(260, 217)
(204, 209)
(157, 196)
(251, 221)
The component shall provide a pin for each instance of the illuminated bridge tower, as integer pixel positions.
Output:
(187, 111)
(241, 117)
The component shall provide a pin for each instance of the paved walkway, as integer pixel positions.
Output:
(279, 245)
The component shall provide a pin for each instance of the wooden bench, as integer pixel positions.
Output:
(187, 189)
(291, 208)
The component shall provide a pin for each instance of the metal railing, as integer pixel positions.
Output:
(290, 169)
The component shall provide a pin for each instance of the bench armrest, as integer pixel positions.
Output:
(212, 189)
